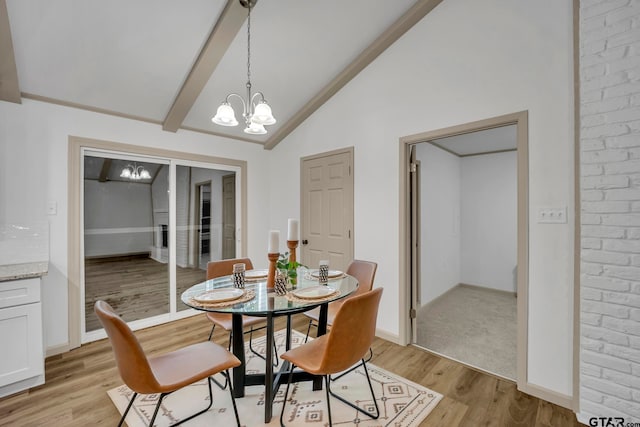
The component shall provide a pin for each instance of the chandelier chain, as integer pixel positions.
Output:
(249, 45)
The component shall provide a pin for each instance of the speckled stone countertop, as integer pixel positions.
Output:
(24, 250)
(25, 270)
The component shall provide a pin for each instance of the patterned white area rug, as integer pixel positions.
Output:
(401, 402)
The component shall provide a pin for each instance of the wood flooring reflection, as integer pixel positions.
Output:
(75, 392)
(136, 286)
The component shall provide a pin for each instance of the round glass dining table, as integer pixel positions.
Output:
(267, 304)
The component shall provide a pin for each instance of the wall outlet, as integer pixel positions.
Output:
(552, 215)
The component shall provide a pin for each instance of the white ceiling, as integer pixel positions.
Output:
(132, 57)
(483, 141)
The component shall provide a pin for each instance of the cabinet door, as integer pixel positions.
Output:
(21, 337)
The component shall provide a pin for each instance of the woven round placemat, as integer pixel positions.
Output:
(249, 294)
(291, 297)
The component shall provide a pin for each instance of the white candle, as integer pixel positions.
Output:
(274, 241)
(293, 229)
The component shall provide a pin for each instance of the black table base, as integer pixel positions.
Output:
(270, 380)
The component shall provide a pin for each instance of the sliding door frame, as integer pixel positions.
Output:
(76, 147)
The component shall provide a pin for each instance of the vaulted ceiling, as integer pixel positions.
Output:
(173, 62)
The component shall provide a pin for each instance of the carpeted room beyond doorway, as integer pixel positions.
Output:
(474, 325)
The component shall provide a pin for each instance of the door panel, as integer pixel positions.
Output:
(327, 209)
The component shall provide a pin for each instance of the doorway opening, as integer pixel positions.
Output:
(465, 241)
(203, 206)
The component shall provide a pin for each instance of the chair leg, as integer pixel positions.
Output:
(306, 338)
(328, 392)
(275, 349)
(213, 328)
(222, 386)
(286, 393)
(162, 395)
(127, 410)
(354, 367)
(233, 399)
(226, 377)
(373, 397)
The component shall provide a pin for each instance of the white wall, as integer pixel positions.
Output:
(489, 220)
(117, 218)
(439, 221)
(468, 221)
(33, 170)
(465, 61)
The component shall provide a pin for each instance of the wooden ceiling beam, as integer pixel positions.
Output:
(223, 33)
(9, 88)
(418, 11)
(104, 172)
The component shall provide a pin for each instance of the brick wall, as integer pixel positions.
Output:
(610, 206)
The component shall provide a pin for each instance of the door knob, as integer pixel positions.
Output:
(305, 242)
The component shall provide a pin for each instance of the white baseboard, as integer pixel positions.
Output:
(559, 399)
(57, 349)
(394, 338)
(21, 386)
(583, 418)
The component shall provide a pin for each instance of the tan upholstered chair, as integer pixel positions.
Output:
(165, 373)
(225, 268)
(365, 272)
(351, 335)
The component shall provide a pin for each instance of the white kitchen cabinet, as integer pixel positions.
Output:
(21, 337)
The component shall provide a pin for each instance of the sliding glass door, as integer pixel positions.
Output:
(150, 226)
(203, 220)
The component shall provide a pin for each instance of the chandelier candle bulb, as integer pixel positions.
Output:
(135, 172)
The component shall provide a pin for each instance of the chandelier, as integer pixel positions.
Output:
(135, 172)
(256, 115)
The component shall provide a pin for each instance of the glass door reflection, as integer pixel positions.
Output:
(205, 223)
(126, 237)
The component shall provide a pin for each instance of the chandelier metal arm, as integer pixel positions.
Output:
(247, 107)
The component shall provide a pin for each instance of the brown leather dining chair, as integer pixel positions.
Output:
(365, 273)
(165, 373)
(348, 341)
(224, 320)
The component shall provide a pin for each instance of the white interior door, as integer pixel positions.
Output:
(327, 209)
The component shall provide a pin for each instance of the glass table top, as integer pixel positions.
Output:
(264, 302)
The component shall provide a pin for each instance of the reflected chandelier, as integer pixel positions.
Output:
(135, 172)
(256, 116)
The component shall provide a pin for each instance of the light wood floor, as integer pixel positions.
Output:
(136, 286)
(75, 393)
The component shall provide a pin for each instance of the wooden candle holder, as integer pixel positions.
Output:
(292, 245)
(271, 277)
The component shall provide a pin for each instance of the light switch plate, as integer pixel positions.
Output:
(552, 215)
(52, 208)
